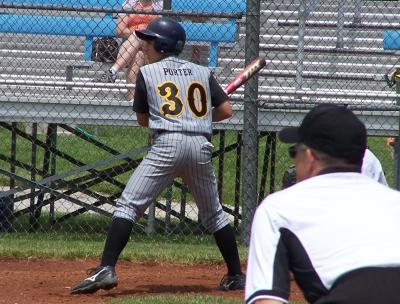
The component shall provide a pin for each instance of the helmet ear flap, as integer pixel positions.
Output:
(160, 46)
(179, 46)
(167, 46)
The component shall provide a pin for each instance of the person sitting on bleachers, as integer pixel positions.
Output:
(130, 53)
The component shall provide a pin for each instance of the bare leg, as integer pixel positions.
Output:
(132, 71)
(127, 51)
(126, 54)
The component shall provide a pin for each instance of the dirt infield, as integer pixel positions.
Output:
(48, 281)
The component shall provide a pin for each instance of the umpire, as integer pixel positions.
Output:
(336, 230)
(178, 101)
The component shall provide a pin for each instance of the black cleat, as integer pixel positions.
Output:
(232, 282)
(101, 277)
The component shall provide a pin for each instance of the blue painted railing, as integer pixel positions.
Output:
(391, 40)
(57, 25)
(88, 27)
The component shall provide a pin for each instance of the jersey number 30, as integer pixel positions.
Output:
(196, 99)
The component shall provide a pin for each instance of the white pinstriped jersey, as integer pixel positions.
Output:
(372, 167)
(179, 96)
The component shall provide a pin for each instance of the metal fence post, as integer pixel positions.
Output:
(250, 122)
(300, 45)
(396, 163)
(167, 4)
(340, 25)
(33, 220)
(304, 10)
(150, 228)
(396, 147)
(168, 208)
(53, 160)
(357, 11)
(6, 213)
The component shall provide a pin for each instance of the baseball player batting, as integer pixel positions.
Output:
(178, 101)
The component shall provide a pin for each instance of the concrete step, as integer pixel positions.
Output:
(325, 15)
(289, 52)
(373, 99)
(313, 39)
(48, 63)
(59, 70)
(273, 28)
(322, 41)
(374, 7)
(318, 83)
(34, 54)
(65, 41)
(14, 90)
(345, 59)
(38, 80)
(62, 93)
(331, 64)
(346, 52)
(17, 44)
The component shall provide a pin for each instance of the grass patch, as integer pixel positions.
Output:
(91, 224)
(156, 248)
(123, 139)
(182, 299)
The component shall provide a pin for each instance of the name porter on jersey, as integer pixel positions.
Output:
(177, 72)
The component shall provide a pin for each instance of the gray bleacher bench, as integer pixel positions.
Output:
(105, 24)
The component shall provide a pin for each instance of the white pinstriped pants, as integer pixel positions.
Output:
(175, 154)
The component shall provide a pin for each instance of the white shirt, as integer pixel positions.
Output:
(372, 167)
(328, 224)
(129, 4)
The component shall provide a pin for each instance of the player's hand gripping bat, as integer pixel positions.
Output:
(248, 72)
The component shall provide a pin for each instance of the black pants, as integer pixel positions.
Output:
(372, 285)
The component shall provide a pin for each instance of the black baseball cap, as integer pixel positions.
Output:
(332, 129)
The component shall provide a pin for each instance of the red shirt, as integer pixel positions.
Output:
(140, 21)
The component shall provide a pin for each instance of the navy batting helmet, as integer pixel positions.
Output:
(168, 35)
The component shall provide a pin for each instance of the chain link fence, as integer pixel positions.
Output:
(69, 137)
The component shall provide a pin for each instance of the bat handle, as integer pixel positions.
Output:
(230, 88)
(233, 86)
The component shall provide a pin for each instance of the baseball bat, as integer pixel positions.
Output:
(248, 72)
